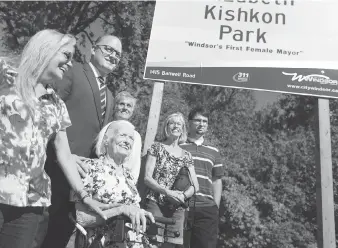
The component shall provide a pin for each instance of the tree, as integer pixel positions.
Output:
(131, 21)
(269, 186)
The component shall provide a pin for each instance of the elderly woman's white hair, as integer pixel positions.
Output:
(107, 132)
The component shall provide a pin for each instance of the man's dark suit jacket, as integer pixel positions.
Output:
(80, 92)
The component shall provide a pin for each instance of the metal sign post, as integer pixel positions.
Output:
(325, 200)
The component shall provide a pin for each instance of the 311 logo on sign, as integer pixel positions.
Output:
(241, 77)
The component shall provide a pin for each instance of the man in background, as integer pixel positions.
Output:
(203, 215)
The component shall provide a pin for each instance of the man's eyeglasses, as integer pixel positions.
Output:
(200, 121)
(109, 51)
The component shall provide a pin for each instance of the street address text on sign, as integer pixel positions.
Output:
(275, 45)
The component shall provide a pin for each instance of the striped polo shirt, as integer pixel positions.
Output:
(207, 164)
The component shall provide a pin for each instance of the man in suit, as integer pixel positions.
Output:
(90, 107)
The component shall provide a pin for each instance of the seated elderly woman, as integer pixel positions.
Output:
(109, 182)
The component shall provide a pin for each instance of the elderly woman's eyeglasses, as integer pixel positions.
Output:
(109, 51)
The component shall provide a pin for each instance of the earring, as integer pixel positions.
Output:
(103, 152)
(104, 148)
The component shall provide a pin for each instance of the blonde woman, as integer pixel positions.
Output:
(164, 162)
(31, 115)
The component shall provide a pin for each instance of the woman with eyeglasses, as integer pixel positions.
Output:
(164, 162)
(32, 115)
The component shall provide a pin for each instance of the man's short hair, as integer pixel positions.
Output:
(125, 94)
(100, 38)
(198, 111)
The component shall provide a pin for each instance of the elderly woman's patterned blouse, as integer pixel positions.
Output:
(23, 144)
(166, 169)
(109, 183)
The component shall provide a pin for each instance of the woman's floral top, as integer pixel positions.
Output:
(23, 144)
(109, 183)
(166, 169)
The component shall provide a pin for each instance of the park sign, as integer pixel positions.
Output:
(288, 46)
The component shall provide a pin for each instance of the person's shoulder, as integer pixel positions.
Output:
(137, 137)
(209, 145)
(76, 69)
(156, 143)
(78, 65)
(156, 146)
(137, 134)
(187, 145)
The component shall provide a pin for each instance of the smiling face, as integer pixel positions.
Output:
(124, 108)
(121, 143)
(106, 54)
(174, 127)
(59, 64)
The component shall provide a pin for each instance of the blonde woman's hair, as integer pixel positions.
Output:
(107, 132)
(36, 55)
(164, 132)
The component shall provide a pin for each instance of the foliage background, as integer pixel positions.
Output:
(269, 189)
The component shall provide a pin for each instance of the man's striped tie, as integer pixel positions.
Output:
(102, 95)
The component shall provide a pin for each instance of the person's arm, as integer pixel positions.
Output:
(217, 189)
(148, 178)
(134, 213)
(87, 218)
(195, 185)
(217, 174)
(69, 168)
(151, 182)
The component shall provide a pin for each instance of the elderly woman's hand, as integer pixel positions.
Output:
(138, 217)
(95, 206)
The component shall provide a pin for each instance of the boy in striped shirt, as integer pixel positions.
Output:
(203, 216)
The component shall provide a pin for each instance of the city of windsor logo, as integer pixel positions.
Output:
(319, 78)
